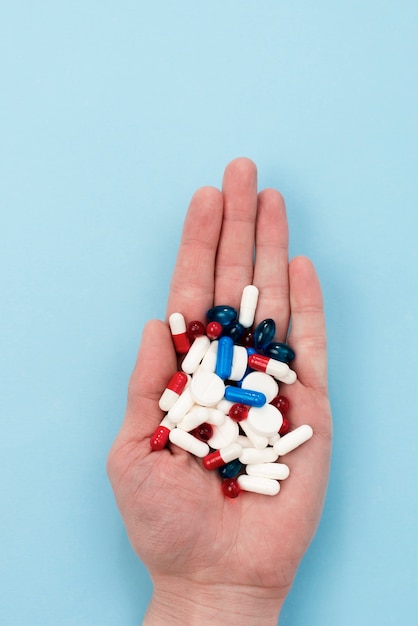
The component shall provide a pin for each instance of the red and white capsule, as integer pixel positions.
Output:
(262, 363)
(159, 438)
(222, 456)
(175, 387)
(179, 334)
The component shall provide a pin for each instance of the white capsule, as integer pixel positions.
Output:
(239, 363)
(231, 452)
(265, 486)
(182, 405)
(207, 388)
(273, 439)
(195, 417)
(195, 354)
(250, 456)
(224, 434)
(208, 363)
(289, 379)
(187, 442)
(215, 417)
(292, 440)
(277, 369)
(244, 442)
(248, 305)
(258, 441)
(259, 381)
(276, 471)
(265, 420)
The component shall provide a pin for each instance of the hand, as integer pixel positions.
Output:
(212, 558)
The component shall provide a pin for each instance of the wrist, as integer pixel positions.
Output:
(180, 602)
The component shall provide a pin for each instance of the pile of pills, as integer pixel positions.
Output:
(224, 404)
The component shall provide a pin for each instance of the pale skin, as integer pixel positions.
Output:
(214, 559)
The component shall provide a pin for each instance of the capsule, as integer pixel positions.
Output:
(276, 471)
(264, 333)
(214, 330)
(178, 330)
(159, 438)
(263, 363)
(234, 330)
(256, 484)
(279, 351)
(195, 329)
(292, 440)
(248, 305)
(195, 354)
(230, 488)
(244, 396)
(224, 357)
(174, 388)
(187, 442)
(223, 314)
(218, 458)
(231, 469)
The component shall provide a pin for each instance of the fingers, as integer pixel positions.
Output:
(192, 285)
(307, 336)
(271, 266)
(235, 258)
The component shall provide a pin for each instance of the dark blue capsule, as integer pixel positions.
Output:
(231, 469)
(264, 333)
(234, 330)
(279, 351)
(223, 314)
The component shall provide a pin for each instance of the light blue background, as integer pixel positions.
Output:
(111, 115)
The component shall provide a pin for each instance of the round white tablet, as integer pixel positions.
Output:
(265, 420)
(224, 434)
(207, 388)
(264, 383)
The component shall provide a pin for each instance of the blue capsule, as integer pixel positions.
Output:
(224, 357)
(223, 314)
(245, 396)
(231, 469)
(279, 351)
(234, 330)
(264, 333)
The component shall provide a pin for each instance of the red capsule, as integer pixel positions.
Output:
(238, 412)
(230, 487)
(204, 432)
(178, 332)
(281, 403)
(195, 329)
(213, 330)
(285, 427)
(159, 438)
(247, 338)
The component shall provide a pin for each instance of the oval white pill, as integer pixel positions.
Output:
(195, 417)
(195, 354)
(265, 420)
(266, 486)
(215, 417)
(182, 405)
(224, 434)
(248, 305)
(239, 363)
(207, 388)
(258, 441)
(292, 440)
(208, 362)
(253, 455)
(276, 471)
(264, 383)
(187, 442)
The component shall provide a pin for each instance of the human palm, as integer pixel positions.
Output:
(177, 518)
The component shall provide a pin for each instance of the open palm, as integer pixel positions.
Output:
(179, 522)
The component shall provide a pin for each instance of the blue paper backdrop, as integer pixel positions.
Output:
(111, 115)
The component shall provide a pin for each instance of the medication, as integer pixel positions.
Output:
(207, 388)
(224, 357)
(258, 441)
(281, 403)
(230, 488)
(215, 417)
(265, 421)
(263, 363)
(264, 333)
(177, 325)
(279, 351)
(239, 363)
(245, 396)
(248, 306)
(256, 484)
(258, 381)
(238, 412)
(174, 388)
(208, 362)
(234, 331)
(290, 378)
(187, 442)
(276, 471)
(222, 456)
(182, 405)
(214, 330)
(224, 434)
(203, 432)
(159, 438)
(195, 417)
(195, 354)
(231, 469)
(292, 440)
(223, 314)
(195, 329)
(250, 456)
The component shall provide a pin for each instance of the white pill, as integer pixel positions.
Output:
(239, 363)
(215, 417)
(207, 388)
(273, 439)
(187, 442)
(209, 360)
(244, 442)
(253, 455)
(292, 440)
(182, 405)
(224, 406)
(276, 471)
(258, 441)
(266, 486)
(248, 305)
(167, 423)
(289, 379)
(259, 381)
(195, 354)
(177, 323)
(195, 417)
(224, 434)
(265, 420)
